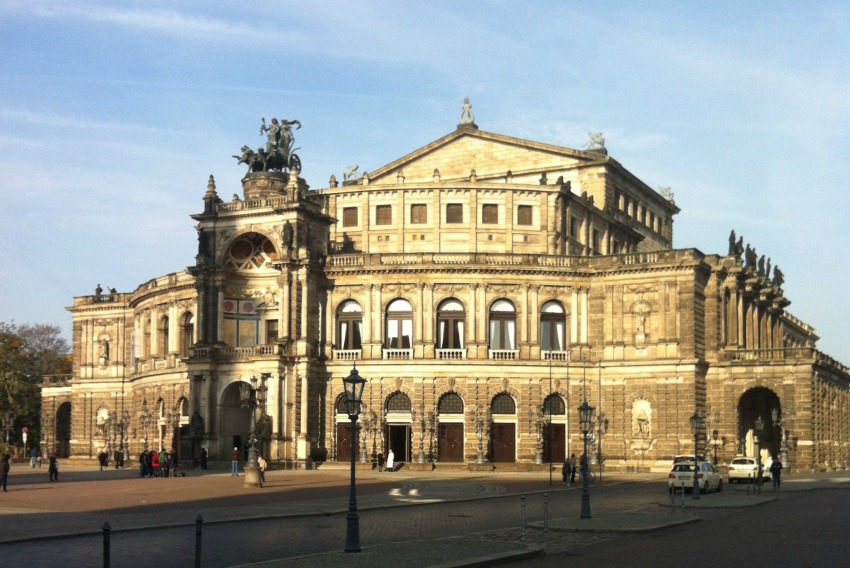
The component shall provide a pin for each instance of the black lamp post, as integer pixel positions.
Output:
(585, 417)
(144, 421)
(758, 426)
(696, 422)
(353, 384)
(253, 397)
(714, 435)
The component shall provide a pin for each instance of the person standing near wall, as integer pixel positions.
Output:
(4, 470)
(234, 462)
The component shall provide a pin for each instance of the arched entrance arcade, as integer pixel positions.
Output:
(759, 415)
(235, 421)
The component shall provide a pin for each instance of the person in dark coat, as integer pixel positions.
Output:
(565, 471)
(776, 473)
(4, 470)
(203, 458)
(53, 468)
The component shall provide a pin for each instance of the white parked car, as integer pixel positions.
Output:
(682, 474)
(743, 468)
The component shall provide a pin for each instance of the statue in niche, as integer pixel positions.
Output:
(286, 234)
(103, 352)
(642, 425)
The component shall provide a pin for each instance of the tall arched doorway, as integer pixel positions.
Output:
(757, 406)
(235, 421)
(450, 429)
(398, 432)
(343, 433)
(554, 429)
(503, 429)
(62, 437)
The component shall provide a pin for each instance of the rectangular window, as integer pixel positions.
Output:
(349, 217)
(271, 331)
(454, 213)
(383, 215)
(523, 215)
(490, 214)
(597, 241)
(575, 227)
(418, 214)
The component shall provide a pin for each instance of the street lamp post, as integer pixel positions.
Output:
(758, 426)
(602, 423)
(696, 422)
(353, 384)
(253, 397)
(144, 420)
(714, 435)
(585, 417)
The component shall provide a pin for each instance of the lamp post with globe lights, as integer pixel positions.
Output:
(353, 384)
(585, 416)
(696, 422)
(758, 426)
(253, 397)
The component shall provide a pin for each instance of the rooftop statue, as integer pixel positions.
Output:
(467, 119)
(279, 154)
(596, 140)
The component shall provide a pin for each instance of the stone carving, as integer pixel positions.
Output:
(279, 154)
(466, 116)
(350, 172)
(596, 140)
(286, 234)
(778, 277)
(750, 257)
(761, 266)
(732, 243)
(103, 351)
(642, 419)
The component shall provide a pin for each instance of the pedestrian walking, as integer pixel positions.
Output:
(380, 461)
(103, 458)
(263, 465)
(163, 463)
(390, 460)
(776, 473)
(234, 462)
(53, 468)
(4, 470)
(203, 457)
(565, 471)
(33, 456)
(573, 468)
(154, 464)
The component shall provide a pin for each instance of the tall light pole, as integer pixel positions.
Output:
(145, 420)
(758, 426)
(254, 397)
(353, 384)
(585, 417)
(696, 422)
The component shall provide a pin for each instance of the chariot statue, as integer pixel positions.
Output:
(278, 154)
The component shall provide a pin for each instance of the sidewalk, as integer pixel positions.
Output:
(35, 509)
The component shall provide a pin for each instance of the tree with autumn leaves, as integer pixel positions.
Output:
(27, 353)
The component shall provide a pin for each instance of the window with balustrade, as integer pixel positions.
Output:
(450, 324)
(552, 327)
(349, 324)
(399, 329)
(502, 325)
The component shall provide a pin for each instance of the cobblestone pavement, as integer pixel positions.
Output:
(300, 513)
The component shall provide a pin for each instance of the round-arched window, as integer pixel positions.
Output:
(398, 402)
(450, 403)
(503, 404)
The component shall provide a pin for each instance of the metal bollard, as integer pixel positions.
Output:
(199, 526)
(522, 518)
(546, 518)
(749, 477)
(106, 530)
(683, 494)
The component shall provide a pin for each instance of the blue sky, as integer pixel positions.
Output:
(114, 114)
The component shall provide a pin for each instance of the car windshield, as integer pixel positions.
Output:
(742, 462)
(683, 467)
(680, 459)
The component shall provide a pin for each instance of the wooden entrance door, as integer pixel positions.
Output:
(398, 436)
(343, 443)
(503, 442)
(557, 443)
(450, 443)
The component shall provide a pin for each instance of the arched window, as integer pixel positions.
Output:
(187, 333)
(552, 326)
(399, 325)
(502, 325)
(450, 403)
(503, 404)
(450, 320)
(398, 402)
(349, 320)
(554, 406)
(163, 336)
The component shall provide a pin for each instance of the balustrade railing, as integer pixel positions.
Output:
(503, 354)
(451, 354)
(397, 354)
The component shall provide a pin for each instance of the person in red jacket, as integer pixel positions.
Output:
(154, 464)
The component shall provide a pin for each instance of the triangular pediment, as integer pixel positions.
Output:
(457, 154)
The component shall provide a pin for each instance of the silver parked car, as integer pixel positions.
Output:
(742, 468)
(682, 475)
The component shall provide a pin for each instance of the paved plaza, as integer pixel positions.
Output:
(412, 518)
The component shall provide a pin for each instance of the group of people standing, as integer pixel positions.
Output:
(158, 464)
